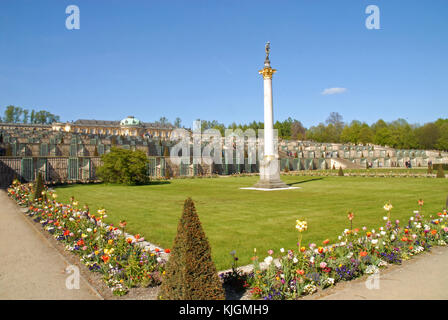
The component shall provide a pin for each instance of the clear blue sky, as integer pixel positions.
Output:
(200, 59)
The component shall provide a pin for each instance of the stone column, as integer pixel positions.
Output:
(270, 164)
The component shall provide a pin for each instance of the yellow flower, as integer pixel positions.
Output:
(83, 236)
(301, 225)
(96, 252)
(110, 241)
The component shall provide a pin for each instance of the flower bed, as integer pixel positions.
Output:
(103, 248)
(303, 271)
(290, 274)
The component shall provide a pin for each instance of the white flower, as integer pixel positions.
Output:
(392, 237)
(374, 241)
(312, 259)
(268, 260)
(416, 211)
(384, 218)
(89, 230)
(371, 269)
(373, 230)
(383, 233)
(295, 260)
(282, 250)
(350, 255)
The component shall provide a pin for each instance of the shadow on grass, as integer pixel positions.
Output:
(70, 185)
(299, 182)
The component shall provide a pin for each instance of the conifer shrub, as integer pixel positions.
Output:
(38, 186)
(167, 173)
(340, 172)
(166, 152)
(190, 271)
(440, 172)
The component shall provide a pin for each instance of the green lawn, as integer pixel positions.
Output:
(242, 220)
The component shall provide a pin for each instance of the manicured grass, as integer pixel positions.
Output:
(242, 220)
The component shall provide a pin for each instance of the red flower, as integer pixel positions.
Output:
(326, 241)
(66, 232)
(167, 250)
(80, 242)
(363, 253)
(105, 258)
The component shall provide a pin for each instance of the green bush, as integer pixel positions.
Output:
(340, 172)
(190, 271)
(38, 186)
(124, 166)
(440, 172)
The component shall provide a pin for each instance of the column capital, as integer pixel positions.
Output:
(267, 72)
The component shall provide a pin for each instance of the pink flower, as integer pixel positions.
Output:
(312, 245)
(270, 252)
(445, 229)
(323, 265)
(84, 248)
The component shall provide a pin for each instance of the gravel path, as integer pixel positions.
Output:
(30, 265)
(423, 277)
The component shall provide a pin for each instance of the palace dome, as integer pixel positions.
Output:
(130, 121)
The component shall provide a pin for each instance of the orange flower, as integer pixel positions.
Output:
(167, 250)
(156, 249)
(137, 236)
(80, 242)
(363, 253)
(350, 215)
(320, 250)
(411, 247)
(300, 272)
(302, 249)
(129, 240)
(433, 232)
(404, 239)
(105, 258)
(420, 202)
(326, 241)
(406, 231)
(368, 233)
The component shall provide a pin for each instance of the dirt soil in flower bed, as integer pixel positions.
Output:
(96, 280)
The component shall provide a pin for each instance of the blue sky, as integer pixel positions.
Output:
(200, 59)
